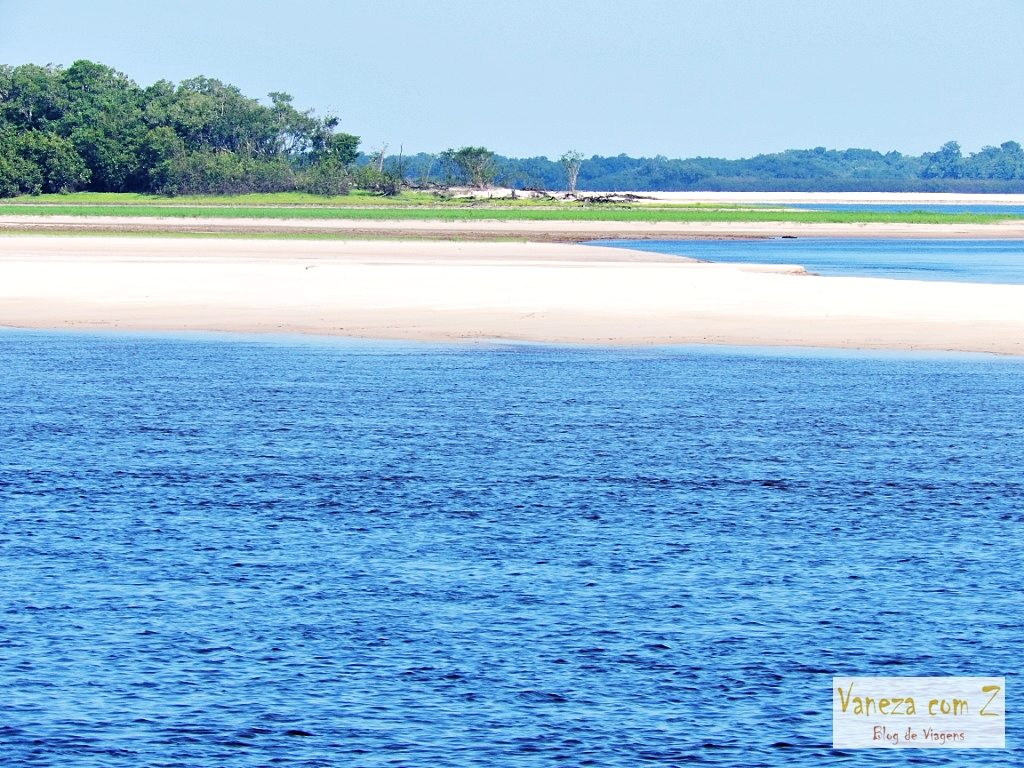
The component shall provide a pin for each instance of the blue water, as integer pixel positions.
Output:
(1014, 211)
(962, 261)
(262, 552)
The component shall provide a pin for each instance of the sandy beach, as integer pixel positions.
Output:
(547, 231)
(544, 292)
(796, 199)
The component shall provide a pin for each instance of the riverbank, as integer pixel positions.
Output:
(567, 231)
(833, 198)
(463, 291)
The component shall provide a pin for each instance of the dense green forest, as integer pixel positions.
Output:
(90, 127)
(993, 169)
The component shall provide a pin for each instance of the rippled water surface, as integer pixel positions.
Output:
(1010, 211)
(264, 552)
(962, 261)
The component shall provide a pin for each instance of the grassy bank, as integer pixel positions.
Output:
(417, 206)
(273, 199)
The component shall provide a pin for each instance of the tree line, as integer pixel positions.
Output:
(992, 169)
(90, 127)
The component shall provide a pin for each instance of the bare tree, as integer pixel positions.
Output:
(571, 162)
(380, 158)
(426, 170)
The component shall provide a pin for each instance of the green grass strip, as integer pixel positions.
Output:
(620, 214)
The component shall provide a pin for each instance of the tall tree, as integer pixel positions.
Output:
(104, 121)
(571, 162)
(32, 97)
(473, 165)
(947, 163)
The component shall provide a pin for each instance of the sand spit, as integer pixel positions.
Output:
(796, 199)
(548, 231)
(459, 291)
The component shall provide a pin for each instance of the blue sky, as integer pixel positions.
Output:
(537, 77)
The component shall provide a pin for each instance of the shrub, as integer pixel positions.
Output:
(328, 177)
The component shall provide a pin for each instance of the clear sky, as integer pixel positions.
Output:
(678, 78)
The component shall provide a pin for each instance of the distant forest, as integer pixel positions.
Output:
(89, 127)
(993, 169)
